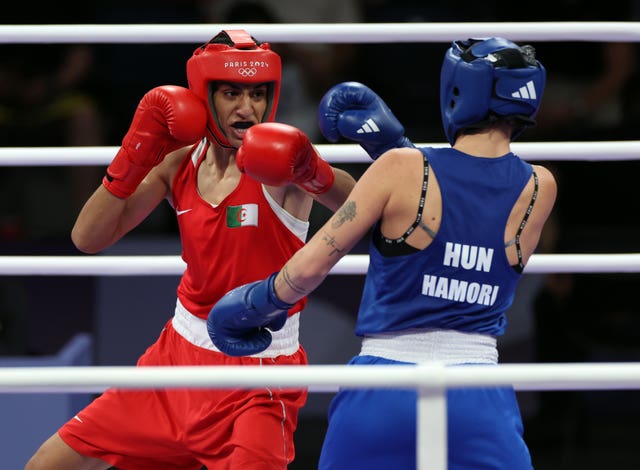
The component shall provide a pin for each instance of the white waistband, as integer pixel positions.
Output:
(444, 346)
(194, 329)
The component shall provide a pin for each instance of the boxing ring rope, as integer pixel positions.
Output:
(324, 32)
(339, 153)
(164, 265)
(324, 378)
(431, 381)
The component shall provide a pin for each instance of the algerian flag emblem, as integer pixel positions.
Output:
(241, 216)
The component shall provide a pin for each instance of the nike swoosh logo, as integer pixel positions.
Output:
(183, 212)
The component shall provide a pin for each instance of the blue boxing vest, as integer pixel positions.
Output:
(462, 280)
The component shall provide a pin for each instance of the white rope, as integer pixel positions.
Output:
(324, 378)
(162, 265)
(324, 32)
(338, 153)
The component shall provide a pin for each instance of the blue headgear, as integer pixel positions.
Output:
(482, 79)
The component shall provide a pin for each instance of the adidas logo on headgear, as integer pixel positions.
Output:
(368, 127)
(527, 92)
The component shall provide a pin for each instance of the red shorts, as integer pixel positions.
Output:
(186, 429)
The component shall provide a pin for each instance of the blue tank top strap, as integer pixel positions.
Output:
(516, 240)
(399, 246)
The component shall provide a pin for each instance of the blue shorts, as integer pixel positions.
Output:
(376, 429)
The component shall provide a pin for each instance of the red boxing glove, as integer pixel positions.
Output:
(167, 118)
(277, 154)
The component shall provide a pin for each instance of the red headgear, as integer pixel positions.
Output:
(243, 61)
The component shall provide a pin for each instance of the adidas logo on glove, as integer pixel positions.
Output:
(368, 127)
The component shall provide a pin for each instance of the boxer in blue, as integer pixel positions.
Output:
(453, 229)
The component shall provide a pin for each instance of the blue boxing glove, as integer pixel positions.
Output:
(354, 111)
(238, 323)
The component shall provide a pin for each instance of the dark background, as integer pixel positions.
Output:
(556, 318)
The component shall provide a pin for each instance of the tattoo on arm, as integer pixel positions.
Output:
(295, 288)
(331, 241)
(346, 213)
